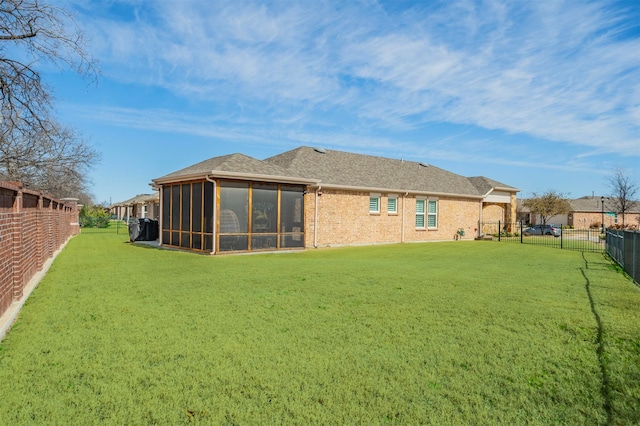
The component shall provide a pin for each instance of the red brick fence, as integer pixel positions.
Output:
(33, 226)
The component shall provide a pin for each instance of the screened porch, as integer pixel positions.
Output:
(232, 216)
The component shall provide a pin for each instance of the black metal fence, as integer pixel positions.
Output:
(114, 227)
(588, 239)
(624, 248)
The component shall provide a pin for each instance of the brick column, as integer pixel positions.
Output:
(39, 234)
(16, 224)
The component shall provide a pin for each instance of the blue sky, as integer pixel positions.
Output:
(540, 95)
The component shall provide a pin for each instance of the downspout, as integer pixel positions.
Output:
(161, 200)
(402, 237)
(480, 220)
(215, 207)
(315, 219)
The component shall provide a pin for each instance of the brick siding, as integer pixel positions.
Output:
(344, 219)
(32, 227)
(594, 219)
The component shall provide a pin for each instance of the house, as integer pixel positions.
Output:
(310, 197)
(592, 212)
(139, 207)
(586, 212)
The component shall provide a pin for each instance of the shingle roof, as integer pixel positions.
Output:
(589, 204)
(586, 204)
(484, 184)
(340, 168)
(139, 199)
(236, 163)
(594, 204)
(344, 169)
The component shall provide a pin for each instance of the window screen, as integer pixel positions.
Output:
(392, 205)
(175, 207)
(374, 204)
(420, 210)
(196, 207)
(208, 208)
(264, 206)
(234, 207)
(291, 209)
(433, 214)
(186, 207)
(166, 210)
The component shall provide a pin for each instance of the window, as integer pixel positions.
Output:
(426, 214)
(374, 203)
(432, 217)
(420, 212)
(392, 204)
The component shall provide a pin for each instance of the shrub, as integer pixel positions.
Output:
(94, 217)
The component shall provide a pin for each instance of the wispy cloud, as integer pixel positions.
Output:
(559, 71)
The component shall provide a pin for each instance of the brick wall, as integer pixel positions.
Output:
(590, 219)
(344, 219)
(32, 227)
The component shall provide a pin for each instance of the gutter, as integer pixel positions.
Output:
(403, 216)
(480, 219)
(396, 190)
(215, 208)
(236, 175)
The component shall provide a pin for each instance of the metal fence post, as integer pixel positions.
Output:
(634, 256)
(521, 230)
(499, 231)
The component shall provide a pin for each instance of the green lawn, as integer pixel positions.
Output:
(446, 333)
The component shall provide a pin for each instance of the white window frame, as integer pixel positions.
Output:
(377, 203)
(430, 214)
(422, 213)
(393, 197)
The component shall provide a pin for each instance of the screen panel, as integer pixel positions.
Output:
(196, 207)
(186, 207)
(234, 207)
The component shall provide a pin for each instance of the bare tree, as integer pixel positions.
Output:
(547, 205)
(623, 192)
(34, 148)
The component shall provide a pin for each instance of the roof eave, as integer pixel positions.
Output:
(506, 188)
(395, 190)
(235, 175)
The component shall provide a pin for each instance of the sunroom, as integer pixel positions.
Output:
(232, 204)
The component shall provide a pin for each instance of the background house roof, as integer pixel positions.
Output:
(589, 204)
(139, 199)
(594, 204)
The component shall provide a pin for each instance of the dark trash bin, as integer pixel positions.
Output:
(148, 230)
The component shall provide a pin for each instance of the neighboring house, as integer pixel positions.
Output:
(139, 207)
(586, 212)
(312, 197)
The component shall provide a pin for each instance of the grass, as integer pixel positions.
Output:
(114, 226)
(447, 333)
